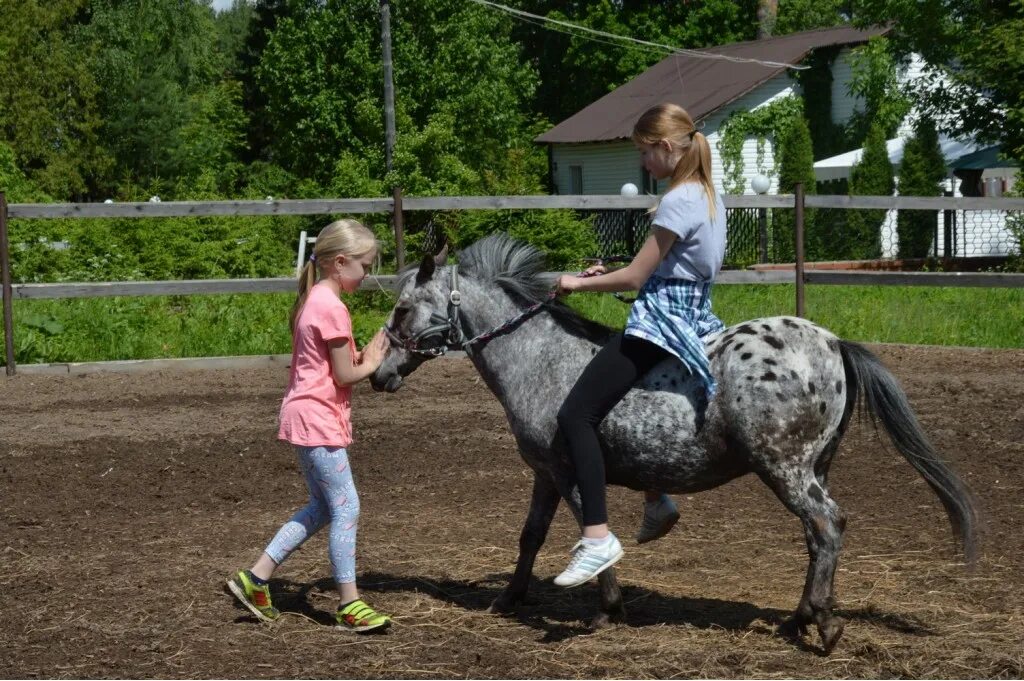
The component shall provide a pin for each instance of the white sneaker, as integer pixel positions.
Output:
(590, 561)
(659, 517)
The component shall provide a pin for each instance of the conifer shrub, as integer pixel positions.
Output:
(921, 173)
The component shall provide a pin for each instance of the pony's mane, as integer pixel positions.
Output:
(518, 269)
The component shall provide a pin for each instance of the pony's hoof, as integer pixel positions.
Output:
(793, 628)
(504, 604)
(605, 619)
(831, 631)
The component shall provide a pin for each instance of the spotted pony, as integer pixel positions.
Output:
(787, 389)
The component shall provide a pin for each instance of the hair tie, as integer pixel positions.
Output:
(692, 133)
(312, 257)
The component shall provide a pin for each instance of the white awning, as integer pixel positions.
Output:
(838, 167)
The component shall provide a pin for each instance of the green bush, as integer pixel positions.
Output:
(872, 176)
(921, 173)
(796, 164)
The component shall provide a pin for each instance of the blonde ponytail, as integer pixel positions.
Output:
(342, 237)
(307, 277)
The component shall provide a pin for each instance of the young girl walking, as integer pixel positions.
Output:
(315, 417)
(673, 270)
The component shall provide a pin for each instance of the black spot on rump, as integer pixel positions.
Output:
(774, 342)
(746, 355)
(821, 407)
(839, 386)
(789, 322)
(747, 329)
(769, 361)
(815, 493)
(766, 327)
(782, 398)
(811, 388)
(739, 399)
(739, 346)
(768, 376)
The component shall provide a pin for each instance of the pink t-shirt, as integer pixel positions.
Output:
(316, 411)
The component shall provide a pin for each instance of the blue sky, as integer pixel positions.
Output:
(221, 4)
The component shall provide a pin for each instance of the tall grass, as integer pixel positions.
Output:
(95, 329)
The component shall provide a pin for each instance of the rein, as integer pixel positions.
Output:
(451, 326)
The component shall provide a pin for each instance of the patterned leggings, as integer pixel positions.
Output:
(333, 499)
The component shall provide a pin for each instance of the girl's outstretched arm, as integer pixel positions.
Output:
(632, 276)
(344, 365)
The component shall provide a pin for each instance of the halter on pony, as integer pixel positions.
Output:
(451, 327)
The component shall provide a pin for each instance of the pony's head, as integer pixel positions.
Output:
(428, 317)
(420, 326)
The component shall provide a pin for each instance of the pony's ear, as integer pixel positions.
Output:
(426, 271)
(441, 259)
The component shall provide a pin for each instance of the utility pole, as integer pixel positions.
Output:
(389, 129)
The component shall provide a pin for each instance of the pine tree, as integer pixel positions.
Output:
(872, 176)
(796, 164)
(921, 172)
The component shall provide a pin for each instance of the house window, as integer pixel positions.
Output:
(648, 183)
(575, 179)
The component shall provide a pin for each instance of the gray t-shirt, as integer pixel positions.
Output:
(698, 251)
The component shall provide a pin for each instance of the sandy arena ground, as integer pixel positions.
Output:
(128, 499)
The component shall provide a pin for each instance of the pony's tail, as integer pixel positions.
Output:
(876, 389)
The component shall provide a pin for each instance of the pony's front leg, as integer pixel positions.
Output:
(543, 505)
(612, 609)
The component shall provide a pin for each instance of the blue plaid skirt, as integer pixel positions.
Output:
(675, 314)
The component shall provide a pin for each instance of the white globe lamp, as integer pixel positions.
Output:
(629, 189)
(760, 183)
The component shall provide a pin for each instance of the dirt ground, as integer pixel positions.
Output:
(128, 499)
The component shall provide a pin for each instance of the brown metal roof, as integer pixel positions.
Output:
(699, 85)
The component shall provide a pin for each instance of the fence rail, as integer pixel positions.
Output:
(625, 219)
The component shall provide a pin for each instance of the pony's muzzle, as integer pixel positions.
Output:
(390, 384)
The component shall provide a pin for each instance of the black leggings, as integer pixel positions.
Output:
(604, 382)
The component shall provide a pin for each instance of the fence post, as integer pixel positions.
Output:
(5, 275)
(762, 229)
(399, 223)
(799, 265)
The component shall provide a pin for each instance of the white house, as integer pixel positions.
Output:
(590, 152)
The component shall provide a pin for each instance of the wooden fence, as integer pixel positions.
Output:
(800, 276)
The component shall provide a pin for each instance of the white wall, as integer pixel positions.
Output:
(843, 104)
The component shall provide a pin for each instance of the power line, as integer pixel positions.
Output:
(698, 54)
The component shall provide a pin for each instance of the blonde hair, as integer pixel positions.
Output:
(342, 237)
(671, 122)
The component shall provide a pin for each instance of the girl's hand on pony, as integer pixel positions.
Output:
(374, 352)
(567, 283)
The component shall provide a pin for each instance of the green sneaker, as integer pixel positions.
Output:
(256, 597)
(357, 616)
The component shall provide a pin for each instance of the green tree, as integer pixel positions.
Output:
(871, 176)
(875, 81)
(166, 107)
(975, 54)
(48, 96)
(796, 165)
(921, 173)
(462, 92)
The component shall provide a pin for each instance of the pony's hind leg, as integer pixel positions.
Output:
(543, 504)
(823, 524)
